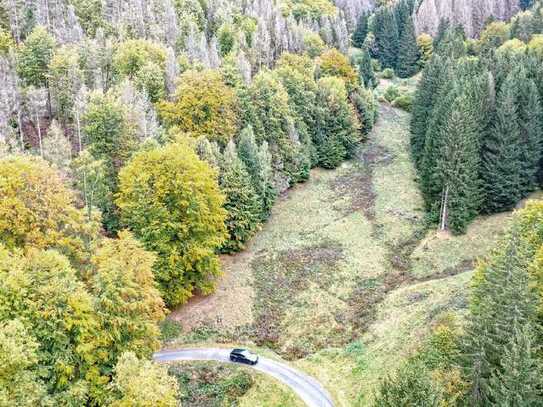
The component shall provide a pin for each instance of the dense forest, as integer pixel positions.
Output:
(139, 140)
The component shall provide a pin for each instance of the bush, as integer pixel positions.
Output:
(388, 73)
(391, 93)
(376, 65)
(404, 102)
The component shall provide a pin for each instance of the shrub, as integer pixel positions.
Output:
(388, 73)
(391, 93)
(404, 102)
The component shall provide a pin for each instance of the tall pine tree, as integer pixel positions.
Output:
(408, 53)
(502, 153)
(365, 70)
(458, 167)
(242, 203)
(360, 31)
(433, 77)
(259, 166)
(387, 37)
(531, 130)
(501, 304)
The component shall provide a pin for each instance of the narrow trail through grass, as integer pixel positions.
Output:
(344, 279)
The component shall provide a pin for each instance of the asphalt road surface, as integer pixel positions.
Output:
(309, 390)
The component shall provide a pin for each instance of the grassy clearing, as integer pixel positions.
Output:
(345, 278)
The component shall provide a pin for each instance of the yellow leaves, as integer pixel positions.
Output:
(170, 199)
(334, 63)
(535, 46)
(130, 56)
(36, 209)
(203, 106)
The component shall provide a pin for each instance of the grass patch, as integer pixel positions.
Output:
(210, 384)
(346, 278)
(279, 277)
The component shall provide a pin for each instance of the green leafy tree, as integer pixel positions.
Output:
(90, 179)
(43, 292)
(34, 56)
(242, 202)
(142, 383)
(112, 140)
(65, 79)
(20, 384)
(128, 304)
(170, 199)
(204, 106)
(37, 210)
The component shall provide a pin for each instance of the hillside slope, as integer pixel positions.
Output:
(471, 14)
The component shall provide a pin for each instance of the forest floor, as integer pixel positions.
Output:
(345, 278)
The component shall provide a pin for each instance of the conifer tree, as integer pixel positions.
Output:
(339, 126)
(531, 131)
(210, 152)
(258, 163)
(408, 52)
(361, 31)
(501, 304)
(241, 204)
(433, 77)
(518, 379)
(386, 37)
(430, 177)
(502, 153)
(365, 70)
(458, 167)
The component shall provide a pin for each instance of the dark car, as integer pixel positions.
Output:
(243, 356)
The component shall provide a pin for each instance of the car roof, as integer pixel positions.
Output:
(239, 350)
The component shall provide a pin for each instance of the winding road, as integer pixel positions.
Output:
(307, 388)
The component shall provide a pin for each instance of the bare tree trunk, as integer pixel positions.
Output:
(444, 209)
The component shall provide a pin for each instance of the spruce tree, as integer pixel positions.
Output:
(259, 166)
(386, 37)
(430, 177)
(502, 153)
(433, 77)
(360, 31)
(531, 131)
(457, 167)
(338, 133)
(518, 379)
(501, 302)
(365, 70)
(408, 53)
(241, 204)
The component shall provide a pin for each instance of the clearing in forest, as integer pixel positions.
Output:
(344, 279)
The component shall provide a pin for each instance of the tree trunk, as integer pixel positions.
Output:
(444, 209)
